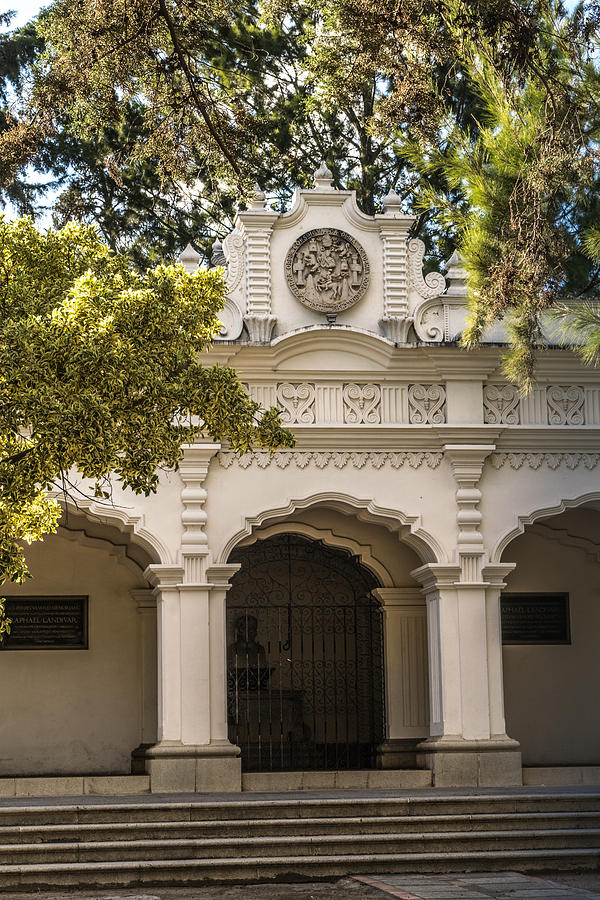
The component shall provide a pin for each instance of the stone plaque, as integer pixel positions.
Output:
(327, 270)
(46, 623)
(535, 619)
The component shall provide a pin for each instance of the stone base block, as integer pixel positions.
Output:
(561, 775)
(461, 763)
(177, 768)
(397, 753)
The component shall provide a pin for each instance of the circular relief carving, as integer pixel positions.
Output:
(327, 270)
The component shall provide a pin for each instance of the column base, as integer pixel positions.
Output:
(183, 768)
(397, 753)
(455, 762)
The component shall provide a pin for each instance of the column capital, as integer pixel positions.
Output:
(195, 461)
(163, 577)
(436, 576)
(220, 575)
(467, 460)
(395, 597)
(144, 598)
(495, 575)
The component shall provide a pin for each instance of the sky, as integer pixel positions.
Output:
(24, 9)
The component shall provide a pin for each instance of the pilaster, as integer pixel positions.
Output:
(405, 638)
(467, 465)
(256, 225)
(146, 609)
(193, 469)
(394, 228)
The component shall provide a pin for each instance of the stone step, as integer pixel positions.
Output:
(359, 825)
(298, 845)
(239, 807)
(290, 868)
(74, 785)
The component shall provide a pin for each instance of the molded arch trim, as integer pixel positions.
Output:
(540, 513)
(424, 544)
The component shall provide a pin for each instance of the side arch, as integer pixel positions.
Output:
(86, 513)
(543, 512)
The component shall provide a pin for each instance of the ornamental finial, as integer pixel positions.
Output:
(258, 198)
(323, 177)
(392, 202)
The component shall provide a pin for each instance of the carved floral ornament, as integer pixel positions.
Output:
(327, 270)
(338, 459)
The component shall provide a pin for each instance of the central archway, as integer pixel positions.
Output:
(305, 657)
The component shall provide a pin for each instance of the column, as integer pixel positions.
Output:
(405, 653)
(146, 608)
(193, 752)
(467, 744)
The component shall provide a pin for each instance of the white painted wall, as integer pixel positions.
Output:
(75, 711)
(551, 692)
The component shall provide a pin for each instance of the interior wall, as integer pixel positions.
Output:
(551, 691)
(75, 711)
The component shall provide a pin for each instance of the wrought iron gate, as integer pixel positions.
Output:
(305, 657)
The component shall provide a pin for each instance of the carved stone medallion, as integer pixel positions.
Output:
(327, 270)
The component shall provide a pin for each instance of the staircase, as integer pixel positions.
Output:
(138, 841)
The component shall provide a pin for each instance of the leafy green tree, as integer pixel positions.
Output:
(102, 377)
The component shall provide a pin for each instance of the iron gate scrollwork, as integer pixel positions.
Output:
(305, 657)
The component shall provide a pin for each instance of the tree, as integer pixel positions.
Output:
(102, 166)
(101, 377)
(485, 113)
(518, 175)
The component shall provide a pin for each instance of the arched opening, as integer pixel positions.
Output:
(305, 657)
(79, 707)
(552, 667)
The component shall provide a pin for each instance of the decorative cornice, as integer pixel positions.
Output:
(552, 460)
(321, 459)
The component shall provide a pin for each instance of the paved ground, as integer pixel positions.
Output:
(497, 885)
(487, 886)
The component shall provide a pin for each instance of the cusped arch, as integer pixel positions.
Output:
(540, 513)
(330, 539)
(132, 527)
(422, 542)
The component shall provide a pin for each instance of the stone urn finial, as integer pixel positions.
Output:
(456, 276)
(258, 198)
(323, 177)
(392, 202)
(217, 257)
(189, 259)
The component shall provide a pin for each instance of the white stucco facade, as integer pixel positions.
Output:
(414, 458)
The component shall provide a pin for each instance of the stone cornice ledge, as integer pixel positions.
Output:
(549, 438)
(390, 437)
